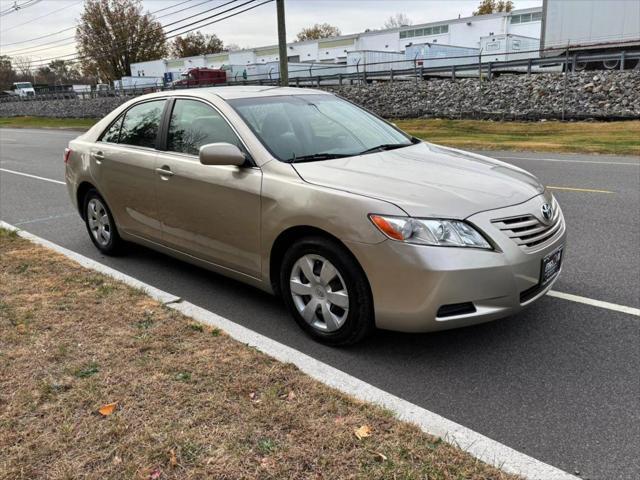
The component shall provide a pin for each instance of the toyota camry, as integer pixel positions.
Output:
(354, 223)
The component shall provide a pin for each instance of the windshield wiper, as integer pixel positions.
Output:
(317, 156)
(384, 146)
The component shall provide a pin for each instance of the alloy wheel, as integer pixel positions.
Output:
(99, 223)
(319, 292)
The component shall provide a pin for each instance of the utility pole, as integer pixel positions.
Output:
(282, 45)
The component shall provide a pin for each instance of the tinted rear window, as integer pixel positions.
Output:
(141, 124)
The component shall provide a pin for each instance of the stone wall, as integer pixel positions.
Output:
(70, 108)
(606, 95)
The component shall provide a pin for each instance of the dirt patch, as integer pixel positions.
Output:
(189, 401)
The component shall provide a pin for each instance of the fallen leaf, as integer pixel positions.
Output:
(363, 432)
(173, 461)
(108, 409)
(267, 462)
(254, 397)
(381, 457)
(21, 328)
(116, 460)
(288, 396)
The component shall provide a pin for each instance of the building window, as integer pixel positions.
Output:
(526, 17)
(425, 32)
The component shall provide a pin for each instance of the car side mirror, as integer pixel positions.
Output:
(221, 154)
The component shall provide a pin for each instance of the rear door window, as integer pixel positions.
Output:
(141, 124)
(194, 124)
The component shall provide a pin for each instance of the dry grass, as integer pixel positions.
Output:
(48, 122)
(192, 403)
(621, 138)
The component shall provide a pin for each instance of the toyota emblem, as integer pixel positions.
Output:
(547, 212)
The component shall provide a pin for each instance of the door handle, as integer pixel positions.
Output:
(98, 157)
(164, 172)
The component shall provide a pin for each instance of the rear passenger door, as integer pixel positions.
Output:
(123, 165)
(209, 211)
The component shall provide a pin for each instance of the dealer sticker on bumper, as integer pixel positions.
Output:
(551, 266)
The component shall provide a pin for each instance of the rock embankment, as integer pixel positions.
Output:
(601, 95)
(598, 95)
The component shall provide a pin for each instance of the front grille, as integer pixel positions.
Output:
(529, 232)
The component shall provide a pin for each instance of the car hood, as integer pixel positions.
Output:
(427, 180)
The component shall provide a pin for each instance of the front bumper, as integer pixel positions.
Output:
(410, 283)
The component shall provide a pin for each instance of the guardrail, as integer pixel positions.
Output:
(384, 71)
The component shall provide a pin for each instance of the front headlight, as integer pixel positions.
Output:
(438, 232)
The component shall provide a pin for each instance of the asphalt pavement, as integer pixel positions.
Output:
(559, 381)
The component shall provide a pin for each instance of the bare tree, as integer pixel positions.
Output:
(7, 73)
(232, 47)
(23, 65)
(113, 34)
(319, 30)
(397, 20)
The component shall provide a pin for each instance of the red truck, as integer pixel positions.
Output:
(201, 76)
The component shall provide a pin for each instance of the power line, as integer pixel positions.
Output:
(80, 57)
(16, 6)
(73, 28)
(26, 51)
(42, 16)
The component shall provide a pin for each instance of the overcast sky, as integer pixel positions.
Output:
(254, 28)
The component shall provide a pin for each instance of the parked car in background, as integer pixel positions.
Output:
(303, 194)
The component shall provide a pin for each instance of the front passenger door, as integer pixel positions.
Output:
(211, 212)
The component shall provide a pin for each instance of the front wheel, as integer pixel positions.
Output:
(100, 224)
(327, 292)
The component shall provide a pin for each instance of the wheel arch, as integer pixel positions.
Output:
(81, 193)
(287, 237)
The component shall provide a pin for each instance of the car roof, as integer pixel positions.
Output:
(247, 91)
(243, 91)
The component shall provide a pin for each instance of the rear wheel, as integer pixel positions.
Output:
(326, 291)
(100, 224)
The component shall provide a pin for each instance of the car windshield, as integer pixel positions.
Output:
(316, 127)
(23, 85)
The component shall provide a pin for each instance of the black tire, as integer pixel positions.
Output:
(114, 245)
(359, 321)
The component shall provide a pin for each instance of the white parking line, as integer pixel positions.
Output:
(552, 293)
(561, 160)
(45, 219)
(595, 303)
(31, 176)
(483, 448)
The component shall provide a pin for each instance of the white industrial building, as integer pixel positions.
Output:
(460, 32)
